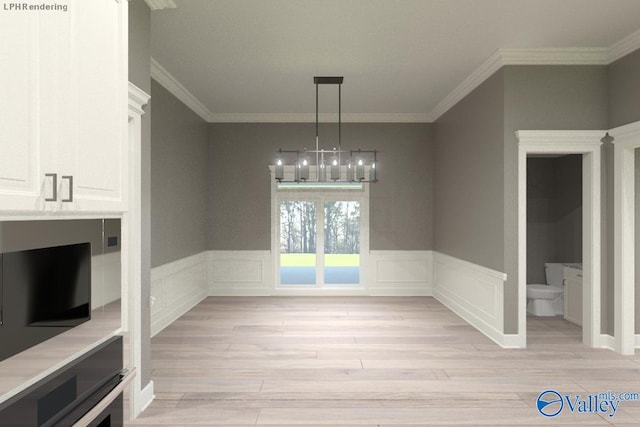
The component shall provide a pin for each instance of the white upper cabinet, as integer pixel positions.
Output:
(63, 110)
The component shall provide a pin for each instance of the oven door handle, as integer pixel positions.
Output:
(106, 401)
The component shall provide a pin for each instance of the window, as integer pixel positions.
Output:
(320, 235)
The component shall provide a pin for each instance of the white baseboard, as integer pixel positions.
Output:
(176, 288)
(510, 341)
(476, 294)
(400, 273)
(607, 341)
(146, 396)
(239, 273)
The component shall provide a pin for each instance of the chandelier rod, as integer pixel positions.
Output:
(317, 144)
(340, 123)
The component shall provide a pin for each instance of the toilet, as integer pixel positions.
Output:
(547, 299)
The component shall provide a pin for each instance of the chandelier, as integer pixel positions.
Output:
(326, 165)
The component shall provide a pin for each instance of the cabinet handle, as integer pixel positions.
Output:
(54, 196)
(70, 178)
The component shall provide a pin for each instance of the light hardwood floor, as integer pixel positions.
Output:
(378, 361)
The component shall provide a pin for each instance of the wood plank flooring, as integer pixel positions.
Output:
(374, 362)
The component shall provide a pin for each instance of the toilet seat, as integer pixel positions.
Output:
(544, 291)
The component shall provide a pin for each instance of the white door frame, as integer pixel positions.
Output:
(626, 140)
(588, 144)
(132, 254)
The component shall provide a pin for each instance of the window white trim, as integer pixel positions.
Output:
(360, 195)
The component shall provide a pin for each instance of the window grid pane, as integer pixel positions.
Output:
(297, 243)
(342, 243)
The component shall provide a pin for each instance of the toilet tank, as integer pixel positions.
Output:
(555, 273)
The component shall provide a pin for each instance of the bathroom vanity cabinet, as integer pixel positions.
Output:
(573, 294)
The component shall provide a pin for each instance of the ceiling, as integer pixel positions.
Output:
(257, 58)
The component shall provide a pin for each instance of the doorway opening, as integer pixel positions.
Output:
(587, 144)
(554, 245)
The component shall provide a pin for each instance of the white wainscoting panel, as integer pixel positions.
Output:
(400, 273)
(473, 292)
(637, 341)
(240, 273)
(176, 288)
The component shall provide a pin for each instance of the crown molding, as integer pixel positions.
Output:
(170, 83)
(322, 118)
(479, 75)
(161, 4)
(502, 57)
(624, 46)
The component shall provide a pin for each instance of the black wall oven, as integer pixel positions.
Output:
(63, 398)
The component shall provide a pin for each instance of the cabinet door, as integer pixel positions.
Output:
(573, 301)
(26, 153)
(96, 155)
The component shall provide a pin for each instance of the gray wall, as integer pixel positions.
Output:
(543, 97)
(240, 187)
(568, 208)
(541, 241)
(468, 165)
(140, 75)
(178, 179)
(624, 90)
(554, 213)
(624, 108)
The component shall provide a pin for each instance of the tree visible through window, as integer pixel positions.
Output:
(339, 250)
(297, 242)
(342, 242)
(298, 227)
